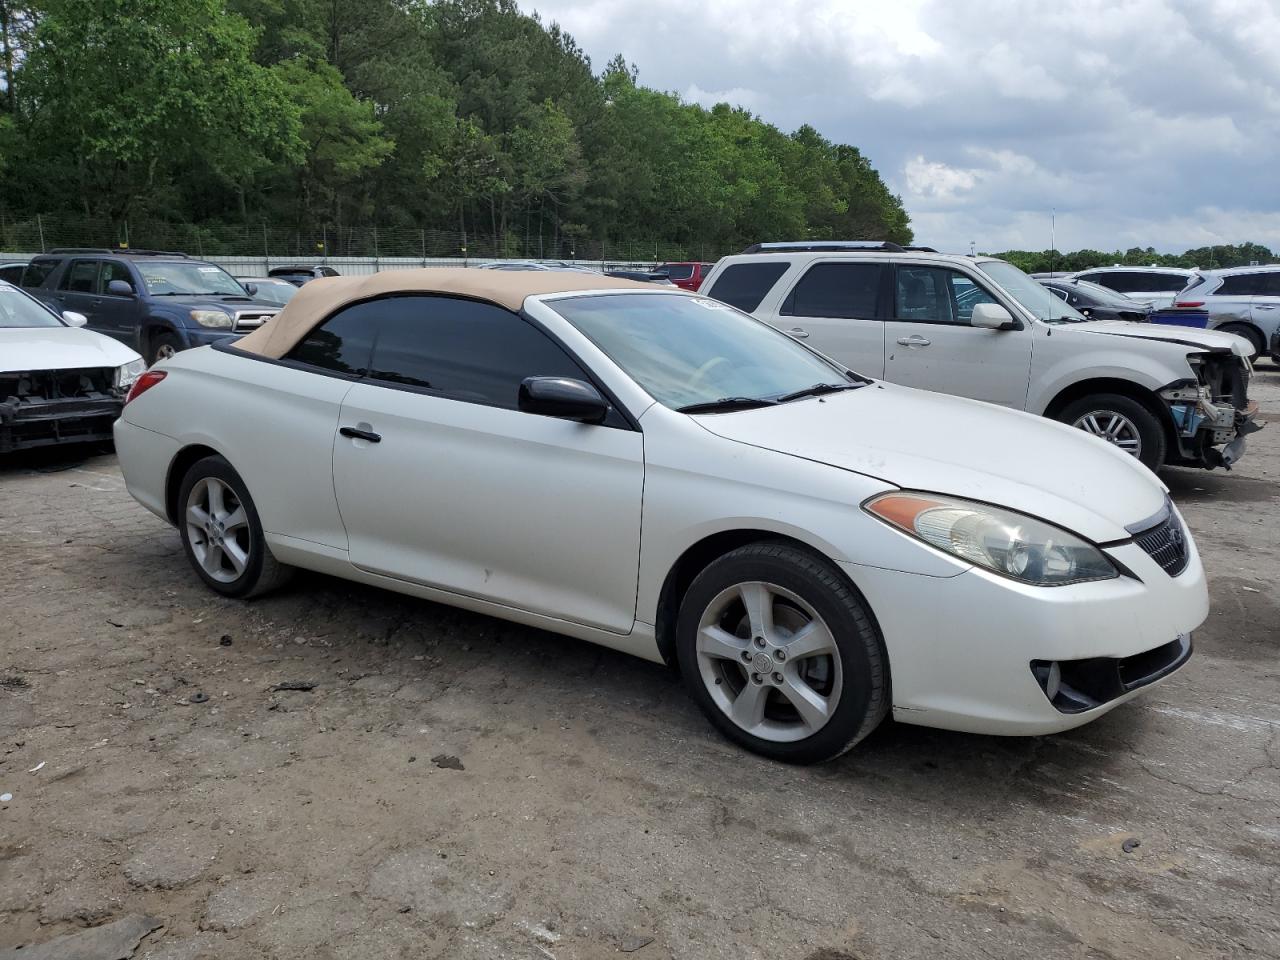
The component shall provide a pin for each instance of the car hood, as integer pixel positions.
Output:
(919, 440)
(1187, 336)
(230, 303)
(59, 348)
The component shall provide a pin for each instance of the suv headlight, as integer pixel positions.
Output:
(129, 372)
(1010, 544)
(212, 318)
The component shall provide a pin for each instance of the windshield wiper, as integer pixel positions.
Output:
(727, 403)
(818, 389)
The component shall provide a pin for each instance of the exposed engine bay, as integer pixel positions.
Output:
(1213, 411)
(44, 407)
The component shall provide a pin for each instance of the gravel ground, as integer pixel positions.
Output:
(163, 791)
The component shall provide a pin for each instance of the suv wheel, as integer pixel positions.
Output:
(221, 533)
(1121, 421)
(781, 654)
(163, 347)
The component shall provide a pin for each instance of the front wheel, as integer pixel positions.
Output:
(780, 653)
(221, 533)
(1122, 422)
(164, 346)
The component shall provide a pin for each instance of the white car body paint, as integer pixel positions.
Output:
(59, 348)
(575, 528)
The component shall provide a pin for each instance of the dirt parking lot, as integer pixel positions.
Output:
(155, 772)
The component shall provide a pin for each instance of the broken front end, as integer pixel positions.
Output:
(39, 408)
(1212, 414)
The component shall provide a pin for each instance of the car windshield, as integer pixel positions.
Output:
(278, 292)
(1031, 293)
(19, 310)
(688, 351)
(177, 279)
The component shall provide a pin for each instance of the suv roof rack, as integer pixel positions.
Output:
(833, 246)
(122, 252)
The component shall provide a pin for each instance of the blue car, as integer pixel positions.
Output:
(155, 302)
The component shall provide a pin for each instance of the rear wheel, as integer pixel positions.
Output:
(781, 654)
(221, 532)
(1250, 334)
(1122, 422)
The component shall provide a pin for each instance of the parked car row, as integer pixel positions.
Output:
(820, 545)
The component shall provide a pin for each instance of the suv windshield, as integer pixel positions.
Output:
(19, 310)
(194, 278)
(1030, 293)
(688, 351)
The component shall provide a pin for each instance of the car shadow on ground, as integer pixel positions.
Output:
(52, 459)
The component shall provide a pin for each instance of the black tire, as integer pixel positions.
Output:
(1250, 334)
(262, 571)
(864, 665)
(160, 344)
(1150, 430)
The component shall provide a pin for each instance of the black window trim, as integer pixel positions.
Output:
(629, 420)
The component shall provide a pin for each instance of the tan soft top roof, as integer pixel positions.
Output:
(507, 288)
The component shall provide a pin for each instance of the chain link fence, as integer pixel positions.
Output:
(267, 241)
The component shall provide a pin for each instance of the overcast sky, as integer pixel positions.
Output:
(1143, 122)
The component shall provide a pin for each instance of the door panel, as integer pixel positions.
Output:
(531, 512)
(835, 308)
(932, 346)
(78, 291)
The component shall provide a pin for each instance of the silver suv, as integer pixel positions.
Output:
(1243, 300)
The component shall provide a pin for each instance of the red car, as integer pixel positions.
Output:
(687, 275)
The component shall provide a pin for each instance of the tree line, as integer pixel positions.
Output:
(1206, 258)
(329, 115)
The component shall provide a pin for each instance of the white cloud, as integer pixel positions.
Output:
(1142, 122)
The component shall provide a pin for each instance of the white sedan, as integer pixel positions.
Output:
(58, 384)
(662, 474)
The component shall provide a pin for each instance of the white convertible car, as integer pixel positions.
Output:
(657, 472)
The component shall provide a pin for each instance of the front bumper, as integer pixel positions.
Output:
(962, 649)
(30, 422)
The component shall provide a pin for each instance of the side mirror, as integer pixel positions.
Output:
(120, 288)
(564, 398)
(251, 289)
(75, 319)
(992, 316)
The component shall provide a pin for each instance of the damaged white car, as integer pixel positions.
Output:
(58, 383)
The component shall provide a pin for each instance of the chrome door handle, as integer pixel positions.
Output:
(915, 340)
(1265, 306)
(798, 333)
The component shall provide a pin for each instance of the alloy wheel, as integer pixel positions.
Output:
(1113, 427)
(165, 351)
(769, 662)
(218, 530)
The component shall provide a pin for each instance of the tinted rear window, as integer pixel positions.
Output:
(849, 290)
(1163, 282)
(744, 285)
(1244, 285)
(37, 272)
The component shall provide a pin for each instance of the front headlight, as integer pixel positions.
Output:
(129, 372)
(212, 318)
(1007, 543)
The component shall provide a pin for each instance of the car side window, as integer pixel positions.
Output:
(744, 285)
(343, 343)
(936, 295)
(839, 290)
(82, 277)
(464, 350)
(1243, 285)
(1114, 281)
(1163, 282)
(37, 272)
(113, 270)
(1272, 288)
